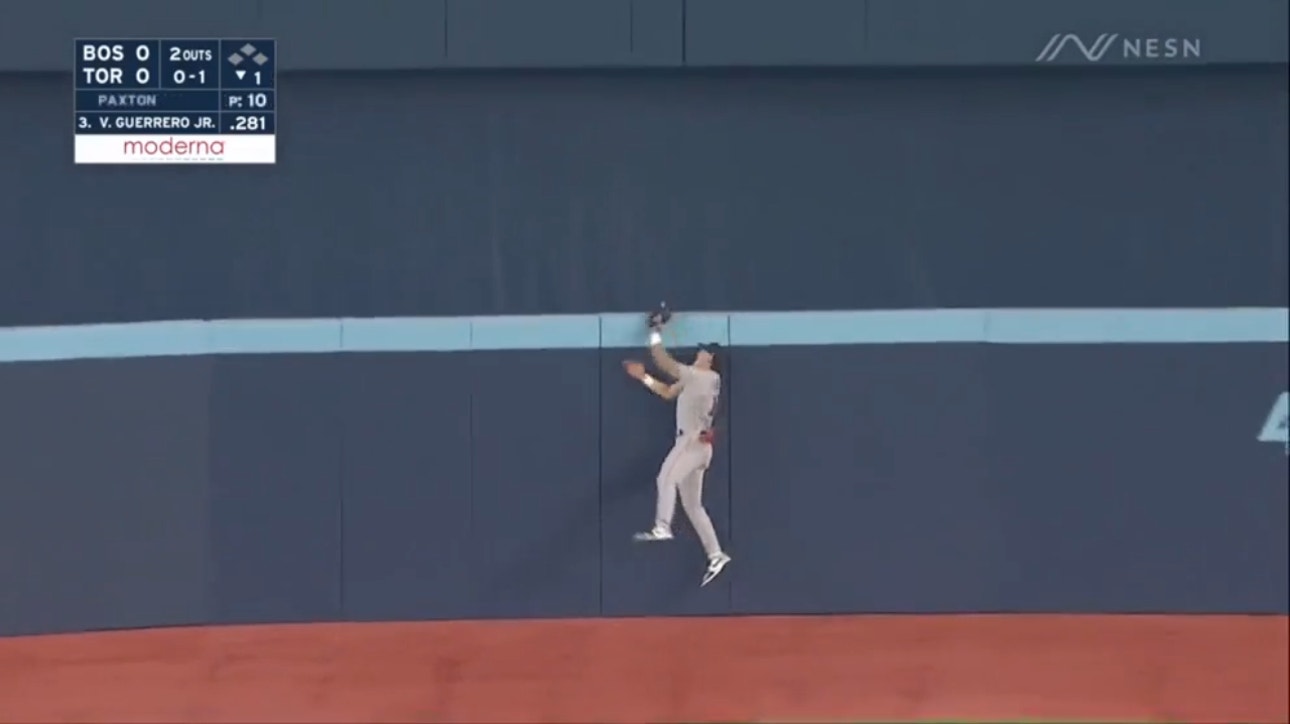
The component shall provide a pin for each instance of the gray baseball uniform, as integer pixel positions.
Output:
(683, 468)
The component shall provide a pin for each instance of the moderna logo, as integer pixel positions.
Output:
(1277, 427)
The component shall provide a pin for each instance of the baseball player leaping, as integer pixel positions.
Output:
(696, 390)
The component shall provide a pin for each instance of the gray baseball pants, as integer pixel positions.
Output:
(682, 473)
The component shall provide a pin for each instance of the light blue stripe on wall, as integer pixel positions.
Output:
(591, 331)
(270, 336)
(402, 334)
(686, 330)
(1093, 326)
(877, 327)
(554, 332)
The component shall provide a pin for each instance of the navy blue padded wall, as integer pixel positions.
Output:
(653, 578)
(275, 461)
(103, 494)
(535, 497)
(1134, 478)
(407, 481)
(862, 482)
(935, 175)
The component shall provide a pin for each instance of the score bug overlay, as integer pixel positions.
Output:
(190, 101)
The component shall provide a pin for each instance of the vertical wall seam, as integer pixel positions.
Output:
(471, 568)
(444, 30)
(685, 43)
(631, 29)
(212, 616)
(729, 384)
(340, 364)
(864, 30)
(600, 458)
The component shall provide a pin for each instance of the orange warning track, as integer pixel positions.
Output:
(894, 668)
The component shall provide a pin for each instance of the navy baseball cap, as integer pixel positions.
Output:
(714, 349)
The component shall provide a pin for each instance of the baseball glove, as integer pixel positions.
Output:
(660, 317)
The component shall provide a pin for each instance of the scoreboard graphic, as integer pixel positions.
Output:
(194, 101)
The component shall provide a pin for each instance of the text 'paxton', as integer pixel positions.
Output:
(1113, 46)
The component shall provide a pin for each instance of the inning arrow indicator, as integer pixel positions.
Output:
(240, 74)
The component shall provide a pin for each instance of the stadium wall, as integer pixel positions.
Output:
(1084, 410)
(916, 462)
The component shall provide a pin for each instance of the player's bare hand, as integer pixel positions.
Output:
(634, 368)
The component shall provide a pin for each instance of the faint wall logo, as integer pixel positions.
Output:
(1277, 427)
(1167, 48)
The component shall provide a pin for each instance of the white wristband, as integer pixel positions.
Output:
(648, 381)
(655, 338)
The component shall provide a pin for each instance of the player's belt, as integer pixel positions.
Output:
(704, 436)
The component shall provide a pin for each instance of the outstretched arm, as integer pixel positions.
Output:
(667, 392)
(658, 387)
(662, 359)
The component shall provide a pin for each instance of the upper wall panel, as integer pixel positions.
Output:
(37, 35)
